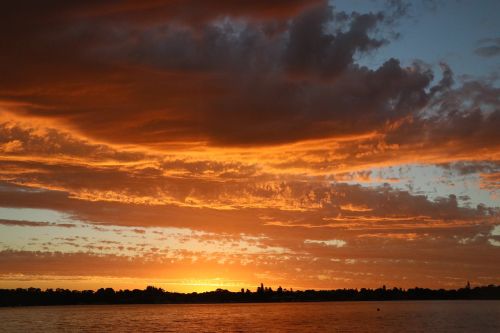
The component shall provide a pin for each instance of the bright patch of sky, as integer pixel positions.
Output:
(437, 31)
(330, 242)
(31, 214)
(434, 181)
(118, 240)
(496, 230)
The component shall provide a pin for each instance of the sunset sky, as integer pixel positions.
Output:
(203, 144)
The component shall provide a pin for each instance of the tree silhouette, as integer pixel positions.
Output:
(35, 296)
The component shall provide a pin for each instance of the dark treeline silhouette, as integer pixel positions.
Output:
(152, 295)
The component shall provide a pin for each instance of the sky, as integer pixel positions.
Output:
(203, 144)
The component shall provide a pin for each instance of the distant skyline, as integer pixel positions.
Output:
(203, 144)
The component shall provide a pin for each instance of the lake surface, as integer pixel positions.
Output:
(408, 316)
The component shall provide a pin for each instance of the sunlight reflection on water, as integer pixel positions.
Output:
(411, 316)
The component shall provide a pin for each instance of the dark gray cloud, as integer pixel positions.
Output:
(173, 82)
(243, 75)
(468, 115)
(491, 48)
(311, 48)
(22, 223)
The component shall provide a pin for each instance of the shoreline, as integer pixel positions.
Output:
(151, 295)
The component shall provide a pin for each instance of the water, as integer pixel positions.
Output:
(413, 316)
